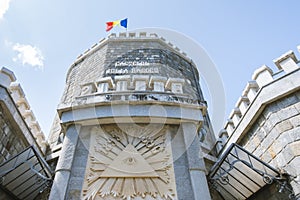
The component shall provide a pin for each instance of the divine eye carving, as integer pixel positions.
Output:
(125, 166)
(129, 160)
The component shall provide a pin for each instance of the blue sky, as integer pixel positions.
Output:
(39, 40)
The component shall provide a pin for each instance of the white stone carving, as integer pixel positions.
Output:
(129, 163)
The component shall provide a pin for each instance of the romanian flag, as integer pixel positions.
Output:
(110, 25)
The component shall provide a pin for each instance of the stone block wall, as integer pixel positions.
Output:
(189, 172)
(266, 119)
(275, 137)
(92, 64)
(16, 93)
(76, 167)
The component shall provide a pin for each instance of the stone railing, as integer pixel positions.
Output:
(138, 96)
(263, 76)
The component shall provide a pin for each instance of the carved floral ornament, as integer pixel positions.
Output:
(129, 163)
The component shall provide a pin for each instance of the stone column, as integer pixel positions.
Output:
(195, 162)
(63, 168)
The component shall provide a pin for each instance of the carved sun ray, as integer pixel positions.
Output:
(129, 163)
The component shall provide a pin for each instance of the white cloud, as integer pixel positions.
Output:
(28, 54)
(4, 5)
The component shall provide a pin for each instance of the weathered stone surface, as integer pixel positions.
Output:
(64, 165)
(287, 101)
(78, 171)
(270, 139)
(261, 134)
(274, 119)
(70, 142)
(287, 112)
(280, 143)
(295, 163)
(273, 163)
(296, 188)
(195, 164)
(258, 151)
(270, 109)
(74, 194)
(261, 120)
(105, 57)
(294, 134)
(60, 184)
(284, 126)
(75, 183)
(266, 156)
(281, 162)
(297, 105)
(250, 147)
(295, 120)
(268, 126)
(295, 148)
(272, 152)
(288, 154)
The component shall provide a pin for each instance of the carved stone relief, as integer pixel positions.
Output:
(131, 162)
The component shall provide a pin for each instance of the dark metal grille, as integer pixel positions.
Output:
(25, 175)
(238, 174)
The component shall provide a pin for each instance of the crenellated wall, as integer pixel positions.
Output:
(266, 119)
(113, 56)
(8, 80)
(263, 76)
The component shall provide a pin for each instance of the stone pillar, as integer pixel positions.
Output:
(63, 168)
(195, 162)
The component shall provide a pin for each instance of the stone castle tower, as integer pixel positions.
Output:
(131, 124)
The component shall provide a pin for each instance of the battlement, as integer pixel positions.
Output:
(20, 100)
(132, 36)
(261, 78)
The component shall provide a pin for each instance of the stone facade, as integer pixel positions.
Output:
(132, 99)
(19, 130)
(266, 119)
(132, 124)
(16, 116)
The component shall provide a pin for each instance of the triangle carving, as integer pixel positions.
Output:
(129, 163)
